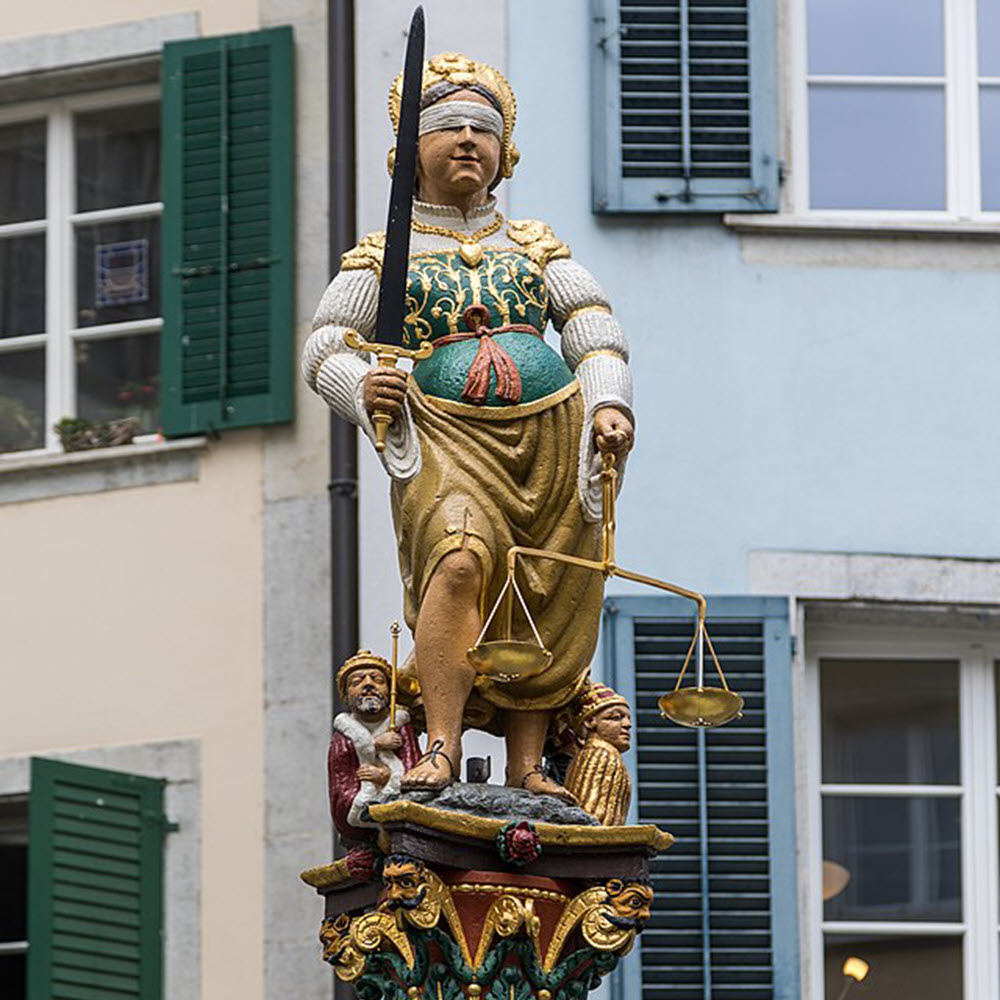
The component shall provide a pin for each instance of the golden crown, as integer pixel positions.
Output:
(453, 67)
(362, 658)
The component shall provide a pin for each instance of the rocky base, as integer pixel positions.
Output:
(497, 802)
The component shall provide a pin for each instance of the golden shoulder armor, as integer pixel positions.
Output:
(368, 253)
(539, 242)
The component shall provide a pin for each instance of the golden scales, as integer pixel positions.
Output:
(510, 659)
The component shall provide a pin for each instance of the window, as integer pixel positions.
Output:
(79, 264)
(95, 883)
(906, 827)
(95, 321)
(724, 922)
(14, 893)
(684, 106)
(901, 108)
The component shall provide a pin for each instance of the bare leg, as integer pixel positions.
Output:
(525, 732)
(448, 624)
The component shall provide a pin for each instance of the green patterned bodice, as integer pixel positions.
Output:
(510, 285)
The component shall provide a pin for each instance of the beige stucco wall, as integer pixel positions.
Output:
(217, 16)
(133, 616)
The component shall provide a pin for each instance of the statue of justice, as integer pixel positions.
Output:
(505, 457)
(496, 439)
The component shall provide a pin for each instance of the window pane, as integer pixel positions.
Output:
(117, 275)
(989, 117)
(988, 27)
(890, 721)
(22, 399)
(22, 172)
(903, 855)
(119, 378)
(22, 285)
(117, 157)
(876, 37)
(910, 968)
(877, 147)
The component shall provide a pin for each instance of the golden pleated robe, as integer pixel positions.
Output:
(600, 781)
(493, 477)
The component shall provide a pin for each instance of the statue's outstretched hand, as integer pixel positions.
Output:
(613, 431)
(384, 389)
(389, 740)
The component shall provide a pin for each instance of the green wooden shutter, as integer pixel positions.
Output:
(684, 106)
(228, 208)
(95, 893)
(724, 923)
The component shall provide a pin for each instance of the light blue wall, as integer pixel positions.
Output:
(809, 408)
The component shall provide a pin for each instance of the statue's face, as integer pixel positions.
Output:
(367, 693)
(614, 725)
(630, 903)
(405, 882)
(456, 163)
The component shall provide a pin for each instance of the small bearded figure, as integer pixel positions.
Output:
(367, 755)
(598, 776)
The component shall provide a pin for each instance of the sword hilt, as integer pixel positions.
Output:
(388, 356)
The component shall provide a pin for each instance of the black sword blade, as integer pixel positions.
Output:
(392, 287)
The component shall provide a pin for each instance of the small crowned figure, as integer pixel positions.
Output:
(598, 776)
(368, 753)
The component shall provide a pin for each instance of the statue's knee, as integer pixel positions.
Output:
(460, 574)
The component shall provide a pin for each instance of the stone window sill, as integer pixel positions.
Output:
(819, 225)
(56, 474)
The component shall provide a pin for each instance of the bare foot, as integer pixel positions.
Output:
(434, 771)
(539, 783)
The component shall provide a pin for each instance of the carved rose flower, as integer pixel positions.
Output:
(518, 843)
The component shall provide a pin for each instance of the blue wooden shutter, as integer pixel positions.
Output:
(95, 875)
(724, 923)
(684, 106)
(228, 209)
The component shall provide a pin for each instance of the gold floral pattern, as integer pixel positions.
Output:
(442, 286)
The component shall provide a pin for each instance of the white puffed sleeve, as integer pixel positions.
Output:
(336, 372)
(596, 350)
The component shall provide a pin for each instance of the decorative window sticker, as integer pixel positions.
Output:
(122, 273)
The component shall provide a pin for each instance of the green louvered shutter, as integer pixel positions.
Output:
(724, 923)
(684, 106)
(95, 884)
(228, 206)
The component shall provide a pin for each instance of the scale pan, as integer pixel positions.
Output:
(507, 660)
(701, 707)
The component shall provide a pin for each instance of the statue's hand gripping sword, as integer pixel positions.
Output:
(388, 343)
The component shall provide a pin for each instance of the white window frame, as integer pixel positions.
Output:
(61, 334)
(976, 655)
(962, 151)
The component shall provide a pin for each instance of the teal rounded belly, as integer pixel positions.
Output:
(542, 370)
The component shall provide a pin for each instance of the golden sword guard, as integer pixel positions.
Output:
(388, 356)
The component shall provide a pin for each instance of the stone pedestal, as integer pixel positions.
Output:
(496, 907)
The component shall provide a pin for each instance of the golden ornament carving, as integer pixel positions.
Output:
(367, 254)
(538, 241)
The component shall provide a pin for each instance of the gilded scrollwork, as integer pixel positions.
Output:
(409, 920)
(441, 287)
(539, 242)
(609, 917)
(367, 254)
